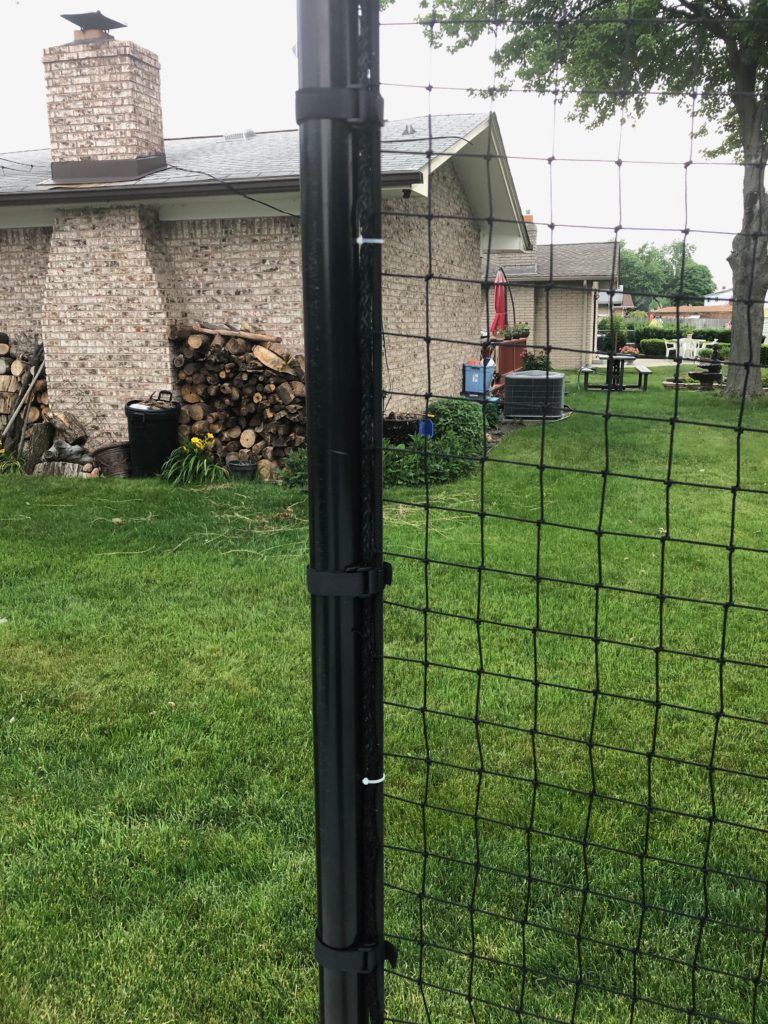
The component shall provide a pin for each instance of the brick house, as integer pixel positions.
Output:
(116, 232)
(555, 289)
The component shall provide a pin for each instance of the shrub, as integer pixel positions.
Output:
(536, 361)
(712, 333)
(614, 328)
(192, 463)
(295, 471)
(653, 349)
(459, 440)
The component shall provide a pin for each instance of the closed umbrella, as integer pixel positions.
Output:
(499, 303)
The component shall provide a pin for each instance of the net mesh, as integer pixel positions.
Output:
(575, 638)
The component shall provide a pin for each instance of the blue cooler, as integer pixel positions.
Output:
(478, 377)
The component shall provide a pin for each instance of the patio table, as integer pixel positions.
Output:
(614, 371)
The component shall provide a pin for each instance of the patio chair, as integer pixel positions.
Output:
(671, 348)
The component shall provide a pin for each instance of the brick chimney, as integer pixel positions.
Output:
(104, 111)
(531, 227)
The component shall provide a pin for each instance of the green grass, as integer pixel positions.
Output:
(157, 833)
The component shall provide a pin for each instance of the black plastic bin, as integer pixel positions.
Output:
(153, 432)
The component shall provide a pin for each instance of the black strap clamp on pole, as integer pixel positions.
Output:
(355, 581)
(355, 959)
(355, 104)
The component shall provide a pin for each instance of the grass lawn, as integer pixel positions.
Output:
(157, 839)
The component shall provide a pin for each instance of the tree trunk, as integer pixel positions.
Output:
(749, 259)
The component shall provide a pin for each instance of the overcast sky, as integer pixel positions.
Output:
(230, 66)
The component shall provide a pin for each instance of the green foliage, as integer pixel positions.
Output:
(295, 471)
(664, 275)
(609, 58)
(192, 463)
(614, 331)
(452, 453)
(536, 361)
(712, 333)
(659, 331)
(10, 462)
(653, 349)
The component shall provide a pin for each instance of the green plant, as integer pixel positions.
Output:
(536, 361)
(458, 442)
(653, 349)
(10, 462)
(491, 413)
(295, 471)
(193, 463)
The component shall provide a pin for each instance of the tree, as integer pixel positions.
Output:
(664, 275)
(609, 56)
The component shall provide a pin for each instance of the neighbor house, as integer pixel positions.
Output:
(555, 289)
(116, 232)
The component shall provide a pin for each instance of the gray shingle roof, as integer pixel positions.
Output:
(566, 262)
(250, 158)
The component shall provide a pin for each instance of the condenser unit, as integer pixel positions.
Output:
(534, 394)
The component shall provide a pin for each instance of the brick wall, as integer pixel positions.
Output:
(454, 293)
(104, 318)
(103, 285)
(103, 101)
(232, 270)
(568, 310)
(23, 267)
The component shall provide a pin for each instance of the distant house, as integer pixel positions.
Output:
(721, 311)
(115, 232)
(719, 297)
(618, 301)
(555, 289)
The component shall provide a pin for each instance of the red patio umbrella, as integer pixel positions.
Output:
(499, 303)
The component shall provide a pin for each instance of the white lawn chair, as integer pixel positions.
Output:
(670, 348)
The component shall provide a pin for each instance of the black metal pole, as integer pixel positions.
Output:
(339, 114)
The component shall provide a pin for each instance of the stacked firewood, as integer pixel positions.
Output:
(243, 387)
(23, 389)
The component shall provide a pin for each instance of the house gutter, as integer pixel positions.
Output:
(79, 194)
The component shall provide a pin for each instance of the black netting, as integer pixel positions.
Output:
(575, 638)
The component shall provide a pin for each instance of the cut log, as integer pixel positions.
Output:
(196, 412)
(248, 438)
(59, 469)
(40, 438)
(285, 393)
(33, 414)
(69, 428)
(5, 348)
(268, 359)
(18, 367)
(197, 341)
(226, 332)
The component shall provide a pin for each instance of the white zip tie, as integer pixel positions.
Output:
(369, 241)
(373, 782)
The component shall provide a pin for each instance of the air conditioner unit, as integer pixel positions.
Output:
(534, 394)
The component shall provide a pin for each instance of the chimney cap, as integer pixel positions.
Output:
(95, 20)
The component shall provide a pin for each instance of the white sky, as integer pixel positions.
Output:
(229, 66)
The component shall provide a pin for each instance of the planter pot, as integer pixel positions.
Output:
(241, 470)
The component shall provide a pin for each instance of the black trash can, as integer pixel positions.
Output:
(153, 432)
